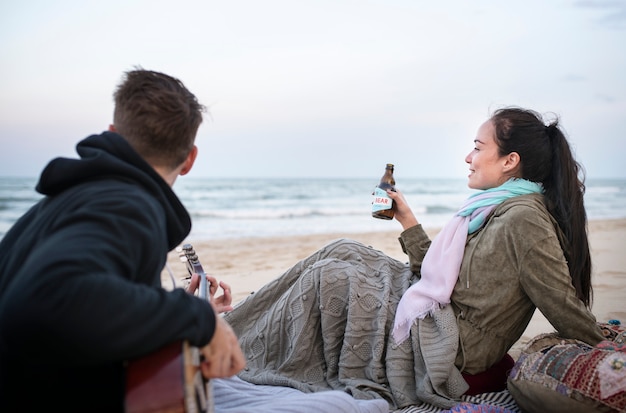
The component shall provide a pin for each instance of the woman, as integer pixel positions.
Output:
(349, 317)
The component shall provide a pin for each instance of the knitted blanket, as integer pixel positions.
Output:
(325, 324)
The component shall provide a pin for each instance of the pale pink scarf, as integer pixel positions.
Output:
(442, 262)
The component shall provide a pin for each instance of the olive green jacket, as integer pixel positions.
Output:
(511, 266)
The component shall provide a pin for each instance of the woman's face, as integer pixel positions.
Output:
(487, 167)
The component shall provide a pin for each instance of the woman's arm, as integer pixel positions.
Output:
(413, 239)
(545, 278)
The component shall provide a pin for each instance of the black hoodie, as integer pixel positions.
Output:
(80, 288)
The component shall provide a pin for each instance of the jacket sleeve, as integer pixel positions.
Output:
(87, 292)
(415, 242)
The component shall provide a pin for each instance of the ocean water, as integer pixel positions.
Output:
(261, 207)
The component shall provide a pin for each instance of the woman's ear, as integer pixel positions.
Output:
(511, 162)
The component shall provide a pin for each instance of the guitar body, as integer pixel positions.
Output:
(167, 381)
(170, 380)
(154, 383)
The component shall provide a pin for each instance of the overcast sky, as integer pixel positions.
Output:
(318, 88)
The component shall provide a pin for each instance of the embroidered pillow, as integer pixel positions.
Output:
(554, 374)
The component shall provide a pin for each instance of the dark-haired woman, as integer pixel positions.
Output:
(349, 317)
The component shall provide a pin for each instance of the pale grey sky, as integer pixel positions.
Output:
(318, 87)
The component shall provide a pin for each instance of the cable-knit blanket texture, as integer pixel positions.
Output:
(326, 323)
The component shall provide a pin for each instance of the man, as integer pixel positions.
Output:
(80, 289)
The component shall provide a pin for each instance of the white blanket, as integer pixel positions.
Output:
(237, 396)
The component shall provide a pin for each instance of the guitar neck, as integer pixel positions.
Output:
(153, 383)
(194, 266)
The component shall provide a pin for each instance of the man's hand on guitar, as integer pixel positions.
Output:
(222, 303)
(222, 356)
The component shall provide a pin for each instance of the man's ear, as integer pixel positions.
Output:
(112, 128)
(191, 158)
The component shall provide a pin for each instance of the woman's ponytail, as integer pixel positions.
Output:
(546, 158)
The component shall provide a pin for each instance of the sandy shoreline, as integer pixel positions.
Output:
(249, 263)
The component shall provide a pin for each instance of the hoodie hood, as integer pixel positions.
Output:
(110, 156)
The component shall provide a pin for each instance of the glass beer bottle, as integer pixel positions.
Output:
(382, 206)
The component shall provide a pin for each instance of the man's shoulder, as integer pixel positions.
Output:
(106, 196)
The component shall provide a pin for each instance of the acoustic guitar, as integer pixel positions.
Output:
(170, 380)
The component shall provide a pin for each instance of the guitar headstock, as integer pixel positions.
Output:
(188, 255)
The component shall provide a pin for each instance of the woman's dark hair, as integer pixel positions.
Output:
(546, 158)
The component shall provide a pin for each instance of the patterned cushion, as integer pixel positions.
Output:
(554, 374)
(614, 331)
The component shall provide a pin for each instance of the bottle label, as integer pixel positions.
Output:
(381, 200)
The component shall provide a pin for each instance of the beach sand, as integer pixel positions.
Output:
(248, 264)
